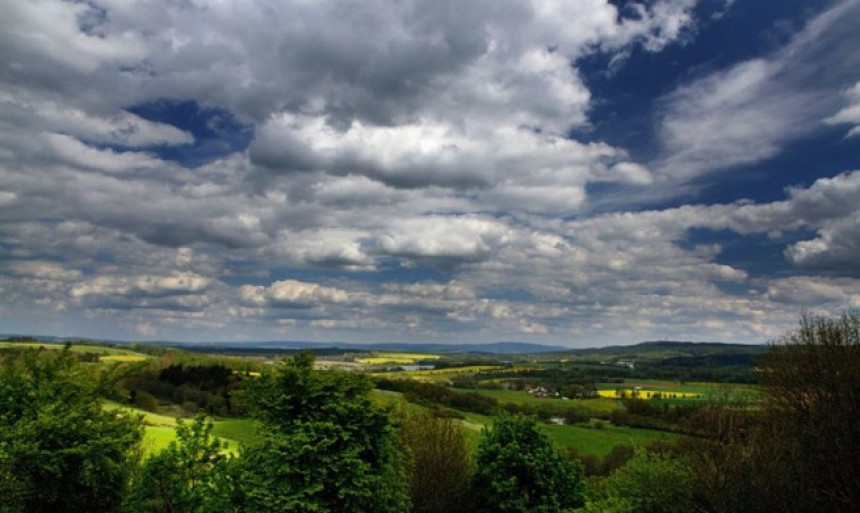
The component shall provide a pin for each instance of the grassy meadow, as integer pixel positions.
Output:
(105, 354)
(160, 430)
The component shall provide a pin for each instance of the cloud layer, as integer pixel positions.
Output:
(410, 176)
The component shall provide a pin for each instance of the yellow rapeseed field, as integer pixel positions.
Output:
(122, 358)
(395, 358)
(646, 394)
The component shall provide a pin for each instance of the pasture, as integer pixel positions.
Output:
(598, 407)
(588, 439)
(105, 354)
(160, 430)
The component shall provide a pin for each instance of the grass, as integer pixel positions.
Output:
(584, 438)
(160, 430)
(599, 442)
(597, 407)
(238, 430)
(106, 354)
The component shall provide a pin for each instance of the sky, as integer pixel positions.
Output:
(580, 172)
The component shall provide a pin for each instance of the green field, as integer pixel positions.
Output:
(584, 438)
(599, 442)
(107, 353)
(598, 407)
(160, 430)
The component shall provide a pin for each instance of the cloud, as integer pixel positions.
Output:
(292, 293)
(850, 114)
(814, 291)
(748, 112)
(410, 174)
(120, 129)
(445, 240)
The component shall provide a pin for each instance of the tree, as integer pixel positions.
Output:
(325, 445)
(798, 449)
(60, 451)
(648, 483)
(518, 470)
(192, 475)
(812, 380)
(439, 460)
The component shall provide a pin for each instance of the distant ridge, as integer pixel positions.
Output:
(664, 348)
(489, 348)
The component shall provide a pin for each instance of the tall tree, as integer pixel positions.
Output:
(325, 445)
(439, 458)
(812, 379)
(60, 451)
(518, 470)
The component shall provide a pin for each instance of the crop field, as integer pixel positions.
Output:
(618, 393)
(671, 390)
(438, 374)
(123, 358)
(396, 358)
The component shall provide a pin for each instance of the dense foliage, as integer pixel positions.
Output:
(59, 450)
(326, 446)
(430, 394)
(517, 469)
(653, 482)
(439, 463)
(192, 475)
(208, 387)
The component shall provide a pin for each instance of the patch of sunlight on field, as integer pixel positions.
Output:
(396, 358)
(618, 393)
(160, 430)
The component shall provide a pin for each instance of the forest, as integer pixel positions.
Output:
(104, 428)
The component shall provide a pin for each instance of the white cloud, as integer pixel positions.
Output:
(292, 293)
(850, 113)
(750, 111)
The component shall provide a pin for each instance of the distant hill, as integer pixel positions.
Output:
(644, 351)
(436, 348)
(663, 350)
